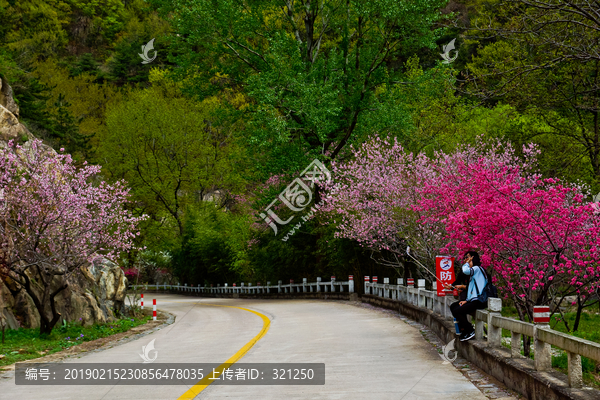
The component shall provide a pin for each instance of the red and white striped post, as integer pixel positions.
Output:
(541, 315)
(153, 309)
(410, 282)
(351, 283)
(542, 351)
(142, 300)
(367, 280)
(374, 279)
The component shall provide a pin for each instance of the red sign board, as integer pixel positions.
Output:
(444, 270)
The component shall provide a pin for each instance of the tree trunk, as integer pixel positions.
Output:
(48, 318)
(580, 307)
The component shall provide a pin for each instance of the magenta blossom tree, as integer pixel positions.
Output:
(539, 236)
(54, 218)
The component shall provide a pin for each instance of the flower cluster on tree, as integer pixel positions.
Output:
(54, 218)
(540, 238)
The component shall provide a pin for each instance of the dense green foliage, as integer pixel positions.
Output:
(233, 108)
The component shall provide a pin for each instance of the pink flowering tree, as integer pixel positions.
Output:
(539, 236)
(54, 218)
(371, 201)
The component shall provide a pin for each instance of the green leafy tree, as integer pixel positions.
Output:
(313, 70)
(170, 152)
(214, 246)
(541, 57)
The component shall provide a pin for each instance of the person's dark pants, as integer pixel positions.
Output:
(461, 312)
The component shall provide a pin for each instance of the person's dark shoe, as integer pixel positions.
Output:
(467, 336)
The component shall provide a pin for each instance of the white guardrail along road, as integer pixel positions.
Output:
(543, 336)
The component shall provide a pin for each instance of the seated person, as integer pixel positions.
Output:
(460, 284)
(477, 281)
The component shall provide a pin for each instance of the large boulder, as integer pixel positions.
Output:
(96, 294)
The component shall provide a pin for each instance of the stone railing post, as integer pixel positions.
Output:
(278, 286)
(574, 370)
(410, 284)
(542, 353)
(400, 282)
(375, 289)
(332, 282)
(351, 283)
(386, 288)
(421, 301)
(318, 283)
(367, 281)
(515, 345)
(494, 333)
(304, 281)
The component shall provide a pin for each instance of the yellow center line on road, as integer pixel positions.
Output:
(203, 383)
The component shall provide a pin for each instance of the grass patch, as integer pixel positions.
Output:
(590, 377)
(26, 344)
(589, 323)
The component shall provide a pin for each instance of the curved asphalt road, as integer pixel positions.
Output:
(367, 354)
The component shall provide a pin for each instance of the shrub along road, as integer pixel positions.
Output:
(366, 354)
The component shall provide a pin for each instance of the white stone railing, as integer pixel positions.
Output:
(543, 337)
(418, 296)
(332, 286)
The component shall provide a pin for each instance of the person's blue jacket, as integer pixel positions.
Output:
(477, 275)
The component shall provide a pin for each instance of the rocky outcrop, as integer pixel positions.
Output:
(10, 127)
(96, 294)
(6, 98)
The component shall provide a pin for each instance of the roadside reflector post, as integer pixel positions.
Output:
(142, 300)
(153, 309)
(543, 355)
